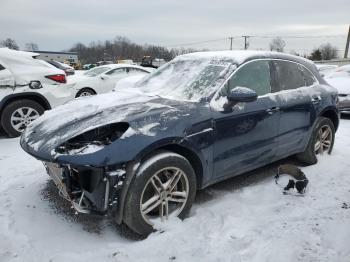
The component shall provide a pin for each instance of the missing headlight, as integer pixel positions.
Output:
(93, 140)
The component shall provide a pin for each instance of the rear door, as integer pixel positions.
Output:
(296, 98)
(6, 77)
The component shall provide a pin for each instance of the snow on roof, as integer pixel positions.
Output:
(24, 67)
(240, 55)
(7, 53)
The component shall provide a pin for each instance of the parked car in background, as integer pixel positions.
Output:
(28, 87)
(88, 66)
(66, 68)
(102, 79)
(325, 69)
(129, 82)
(200, 119)
(342, 84)
(341, 71)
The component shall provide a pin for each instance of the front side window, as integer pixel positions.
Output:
(97, 71)
(254, 75)
(116, 72)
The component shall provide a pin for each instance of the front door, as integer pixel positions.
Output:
(245, 137)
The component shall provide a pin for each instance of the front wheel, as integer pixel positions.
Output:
(321, 141)
(85, 92)
(164, 187)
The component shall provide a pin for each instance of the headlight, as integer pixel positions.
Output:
(93, 140)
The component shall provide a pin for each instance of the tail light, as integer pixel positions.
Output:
(58, 78)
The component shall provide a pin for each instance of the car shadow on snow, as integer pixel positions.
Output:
(247, 179)
(98, 224)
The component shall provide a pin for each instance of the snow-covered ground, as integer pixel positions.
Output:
(243, 219)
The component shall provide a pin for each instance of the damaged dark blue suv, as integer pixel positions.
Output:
(140, 154)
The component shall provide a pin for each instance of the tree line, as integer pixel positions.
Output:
(122, 48)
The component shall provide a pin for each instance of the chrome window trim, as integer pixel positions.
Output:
(263, 59)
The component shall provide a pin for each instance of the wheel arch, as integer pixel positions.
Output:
(85, 88)
(332, 114)
(40, 99)
(133, 166)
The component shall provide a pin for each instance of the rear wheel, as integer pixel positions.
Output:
(321, 141)
(17, 115)
(165, 187)
(86, 92)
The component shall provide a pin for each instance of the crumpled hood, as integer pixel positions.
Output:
(74, 118)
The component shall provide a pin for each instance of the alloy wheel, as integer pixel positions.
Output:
(22, 117)
(164, 195)
(85, 93)
(324, 139)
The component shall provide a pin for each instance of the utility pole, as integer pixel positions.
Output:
(245, 41)
(231, 40)
(347, 45)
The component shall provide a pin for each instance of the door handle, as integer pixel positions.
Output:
(316, 99)
(272, 110)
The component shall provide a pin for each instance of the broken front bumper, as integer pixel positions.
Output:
(88, 189)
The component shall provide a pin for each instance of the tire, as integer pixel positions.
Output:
(30, 111)
(86, 91)
(309, 156)
(163, 164)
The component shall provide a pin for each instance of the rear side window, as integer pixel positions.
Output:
(292, 75)
(308, 77)
(254, 75)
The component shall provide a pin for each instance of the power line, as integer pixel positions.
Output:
(253, 36)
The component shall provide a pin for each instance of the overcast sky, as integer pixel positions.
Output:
(57, 25)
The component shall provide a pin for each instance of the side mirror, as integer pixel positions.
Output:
(241, 94)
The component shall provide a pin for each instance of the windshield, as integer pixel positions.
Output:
(97, 71)
(187, 79)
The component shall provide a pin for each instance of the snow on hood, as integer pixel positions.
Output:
(84, 114)
(342, 84)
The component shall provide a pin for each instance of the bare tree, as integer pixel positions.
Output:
(277, 44)
(9, 43)
(328, 51)
(31, 46)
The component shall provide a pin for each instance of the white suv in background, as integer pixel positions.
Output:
(28, 87)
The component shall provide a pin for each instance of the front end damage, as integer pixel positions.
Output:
(90, 190)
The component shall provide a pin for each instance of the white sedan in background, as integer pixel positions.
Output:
(102, 79)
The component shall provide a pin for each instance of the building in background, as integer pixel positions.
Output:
(63, 57)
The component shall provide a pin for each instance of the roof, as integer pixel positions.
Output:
(6, 53)
(241, 56)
